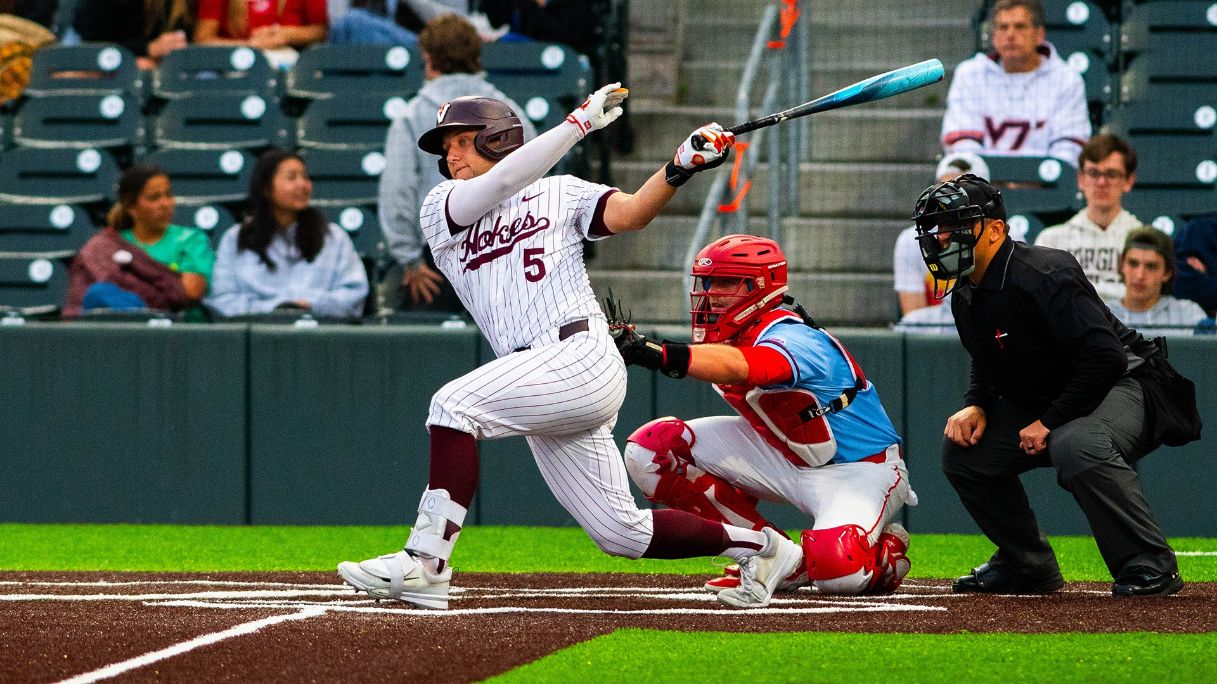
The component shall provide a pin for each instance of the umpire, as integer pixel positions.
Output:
(1050, 386)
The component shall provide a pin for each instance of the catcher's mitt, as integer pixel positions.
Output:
(634, 347)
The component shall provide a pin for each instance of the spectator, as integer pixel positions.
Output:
(913, 283)
(1095, 236)
(1147, 265)
(1196, 251)
(141, 260)
(929, 320)
(398, 22)
(267, 24)
(151, 30)
(1021, 99)
(452, 66)
(577, 23)
(285, 255)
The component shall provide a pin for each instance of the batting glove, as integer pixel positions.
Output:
(706, 148)
(600, 109)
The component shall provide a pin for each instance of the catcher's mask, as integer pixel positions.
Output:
(499, 129)
(735, 279)
(946, 214)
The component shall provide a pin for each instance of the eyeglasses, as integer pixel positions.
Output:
(1112, 175)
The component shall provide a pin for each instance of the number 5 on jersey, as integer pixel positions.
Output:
(534, 267)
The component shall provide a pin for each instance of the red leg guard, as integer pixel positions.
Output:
(837, 552)
(891, 555)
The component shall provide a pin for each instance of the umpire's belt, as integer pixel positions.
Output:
(572, 328)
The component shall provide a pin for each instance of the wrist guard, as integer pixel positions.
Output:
(675, 175)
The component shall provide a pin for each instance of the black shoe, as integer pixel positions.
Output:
(989, 580)
(1142, 581)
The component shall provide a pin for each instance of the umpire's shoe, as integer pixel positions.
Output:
(761, 573)
(990, 580)
(1142, 581)
(398, 576)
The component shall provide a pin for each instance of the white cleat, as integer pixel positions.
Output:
(730, 580)
(398, 576)
(761, 573)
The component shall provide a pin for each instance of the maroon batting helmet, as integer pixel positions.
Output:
(499, 129)
(758, 269)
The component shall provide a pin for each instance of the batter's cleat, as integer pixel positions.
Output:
(398, 576)
(761, 573)
(730, 580)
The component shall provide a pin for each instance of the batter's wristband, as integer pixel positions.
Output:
(676, 358)
(675, 175)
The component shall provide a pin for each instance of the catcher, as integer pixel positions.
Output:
(810, 430)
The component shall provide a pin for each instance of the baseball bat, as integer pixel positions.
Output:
(877, 87)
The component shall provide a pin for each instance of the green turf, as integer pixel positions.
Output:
(481, 549)
(634, 655)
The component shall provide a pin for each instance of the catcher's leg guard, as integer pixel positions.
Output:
(659, 459)
(437, 527)
(891, 555)
(840, 560)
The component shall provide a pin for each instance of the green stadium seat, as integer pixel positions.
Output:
(356, 122)
(343, 178)
(212, 219)
(57, 176)
(1034, 185)
(221, 121)
(1163, 116)
(83, 68)
(554, 70)
(202, 177)
(33, 283)
(362, 224)
(89, 120)
(1074, 26)
(1178, 161)
(1149, 203)
(214, 69)
(328, 70)
(43, 228)
(1024, 226)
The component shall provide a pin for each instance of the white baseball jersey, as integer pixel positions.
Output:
(1096, 249)
(519, 271)
(1038, 113)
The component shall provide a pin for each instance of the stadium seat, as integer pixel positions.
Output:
(1024, 226)
(57, 176)
(1034, 185)
(212, 219)
(1150, 203)
(1178, 161)
(89, 120)
(356, 122)
(1163, 116)
(1074, 26)
(43, 228)
(84, 68)
(555, 70)
(362, 224)
(33, 282)
(202, 177)
(221, 121)
(213, 69)
(324, 71)
(343, 178)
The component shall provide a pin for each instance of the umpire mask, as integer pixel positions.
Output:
(946, 214)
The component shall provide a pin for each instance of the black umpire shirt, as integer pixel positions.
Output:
(1039, 335)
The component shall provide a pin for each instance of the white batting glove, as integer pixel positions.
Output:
(599, 110)
(706, 153)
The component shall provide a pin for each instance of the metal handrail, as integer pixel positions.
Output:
(789, 65)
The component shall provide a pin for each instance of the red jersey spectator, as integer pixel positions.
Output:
(266, 24)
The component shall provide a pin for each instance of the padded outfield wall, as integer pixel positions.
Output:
(262, 424)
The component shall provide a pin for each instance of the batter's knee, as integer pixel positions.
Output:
(446, 411)
(625, 536)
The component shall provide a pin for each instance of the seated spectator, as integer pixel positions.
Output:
(913, 283)
(452, 65)
(39, 11)
(1095, 235)
(1196, 252)
(929, 320)
(1021, 99)
(276, 26)
(1147, 265)
(285, 255)
(150, 30)
(23, 30)
(141, 260)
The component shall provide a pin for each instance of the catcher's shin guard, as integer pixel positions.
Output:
(659, 458)
(891, 555)
(841, 560)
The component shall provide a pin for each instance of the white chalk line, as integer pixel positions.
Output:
(115, 669)
(1196, 553)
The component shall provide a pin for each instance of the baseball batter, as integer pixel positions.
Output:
(810, 430)
(510, 242)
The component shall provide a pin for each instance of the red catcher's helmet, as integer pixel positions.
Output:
(757, 268)
(499, 129)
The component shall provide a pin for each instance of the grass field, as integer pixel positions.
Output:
(644, 655)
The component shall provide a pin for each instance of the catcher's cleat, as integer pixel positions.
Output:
(730, 580)
(760, 573)
(398, 576)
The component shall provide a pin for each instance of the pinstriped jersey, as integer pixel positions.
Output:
(519, 268)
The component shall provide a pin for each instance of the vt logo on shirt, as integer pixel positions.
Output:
(1020, 127)
(483, 246)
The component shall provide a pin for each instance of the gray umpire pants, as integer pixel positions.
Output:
(1093, 457)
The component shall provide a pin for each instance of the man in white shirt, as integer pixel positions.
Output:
(1021, 99)
(1096, 235)
(1148, 267)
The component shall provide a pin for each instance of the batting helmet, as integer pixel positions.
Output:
(951, 209)
(735, 279)
(499, 129)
